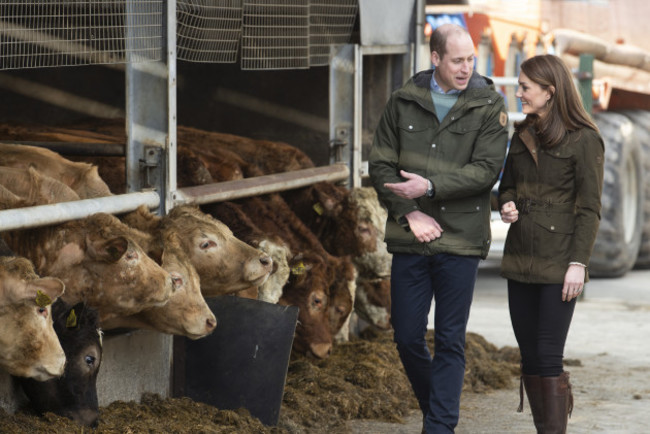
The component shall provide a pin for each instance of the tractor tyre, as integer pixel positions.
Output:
(619, 234)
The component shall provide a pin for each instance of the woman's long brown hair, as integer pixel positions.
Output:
(565, 110)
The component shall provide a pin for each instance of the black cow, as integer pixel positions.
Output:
(74, 395)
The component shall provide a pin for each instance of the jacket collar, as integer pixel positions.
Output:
(476, 81)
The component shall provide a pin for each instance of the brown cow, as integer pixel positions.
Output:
(309, 286)
(186, 313)
(9, 200)
(81, 177)
(224, 263)
(100, 263)
(29, 346)
(34, 187)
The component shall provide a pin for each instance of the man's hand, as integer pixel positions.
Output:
(424, 227)
(414, 186)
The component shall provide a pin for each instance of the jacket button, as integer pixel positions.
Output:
(442, 208)
(433, 145)
(478, 208)
(552, 228)
(410, 127)
(489, 101)
(453, 117)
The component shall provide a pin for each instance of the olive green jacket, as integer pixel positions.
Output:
(557, 192)
(462, 156)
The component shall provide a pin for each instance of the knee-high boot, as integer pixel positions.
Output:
(533, 386)
(558, 403)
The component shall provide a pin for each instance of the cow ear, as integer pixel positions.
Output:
(45, 290)
(108, 250)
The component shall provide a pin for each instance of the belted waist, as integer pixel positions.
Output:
(526, 206)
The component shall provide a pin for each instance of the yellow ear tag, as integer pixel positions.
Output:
(298, 269)
(42, 299)
(71, 320)
(318, 208)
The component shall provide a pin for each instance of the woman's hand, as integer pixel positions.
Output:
(574, 282)
(509, 212)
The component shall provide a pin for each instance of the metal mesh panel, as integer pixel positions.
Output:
(330, 22)
(41, 33)
(275, 34)
(208, 30)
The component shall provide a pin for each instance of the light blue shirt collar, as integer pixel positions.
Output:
(436, 87)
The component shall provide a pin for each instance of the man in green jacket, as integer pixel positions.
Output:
(437, 152)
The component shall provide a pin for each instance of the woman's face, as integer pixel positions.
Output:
(533, 97)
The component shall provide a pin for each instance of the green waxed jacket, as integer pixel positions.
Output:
(557, 192)
(462, 156)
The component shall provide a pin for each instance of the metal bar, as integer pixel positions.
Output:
(76, 148)
(43, 215)
(248, 187)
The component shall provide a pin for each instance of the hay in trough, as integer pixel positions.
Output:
(363, 379)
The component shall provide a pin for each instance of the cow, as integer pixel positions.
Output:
(34, 187)
(29, 346)
(9, 200)
(233, 216)
(83, 178)
(313, 273)
(224, 263)
(100, 262)
(329, 211)
(186, 313)
(74, 394)
(372, 303)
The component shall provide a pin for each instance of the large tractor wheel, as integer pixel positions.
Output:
(641, 121)
(619, 235)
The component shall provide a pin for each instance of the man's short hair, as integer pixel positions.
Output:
(438, 39)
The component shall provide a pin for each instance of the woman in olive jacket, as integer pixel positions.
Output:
(550, 193)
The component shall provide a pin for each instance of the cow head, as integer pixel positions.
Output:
(225, 263)
(308, 288)
(28, 344)
(74, 395)
(103, 265)
(186, 313)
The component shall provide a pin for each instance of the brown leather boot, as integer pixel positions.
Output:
(533, 386)
(558, 403)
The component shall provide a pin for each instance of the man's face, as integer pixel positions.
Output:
(454, 70)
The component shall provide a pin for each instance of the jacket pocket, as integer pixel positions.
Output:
(414, 137)
(397, 235)
(555, 232)
(461, 221)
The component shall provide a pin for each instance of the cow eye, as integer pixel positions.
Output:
(90, 360)
(177, 281)
(42, 311)
(207, 244)
(131, 255)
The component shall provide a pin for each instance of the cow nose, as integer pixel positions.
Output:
(322, 351)
(210, 324)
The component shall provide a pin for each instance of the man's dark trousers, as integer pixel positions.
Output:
(415, 281)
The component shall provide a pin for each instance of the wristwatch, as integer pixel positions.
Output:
(430, 190)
